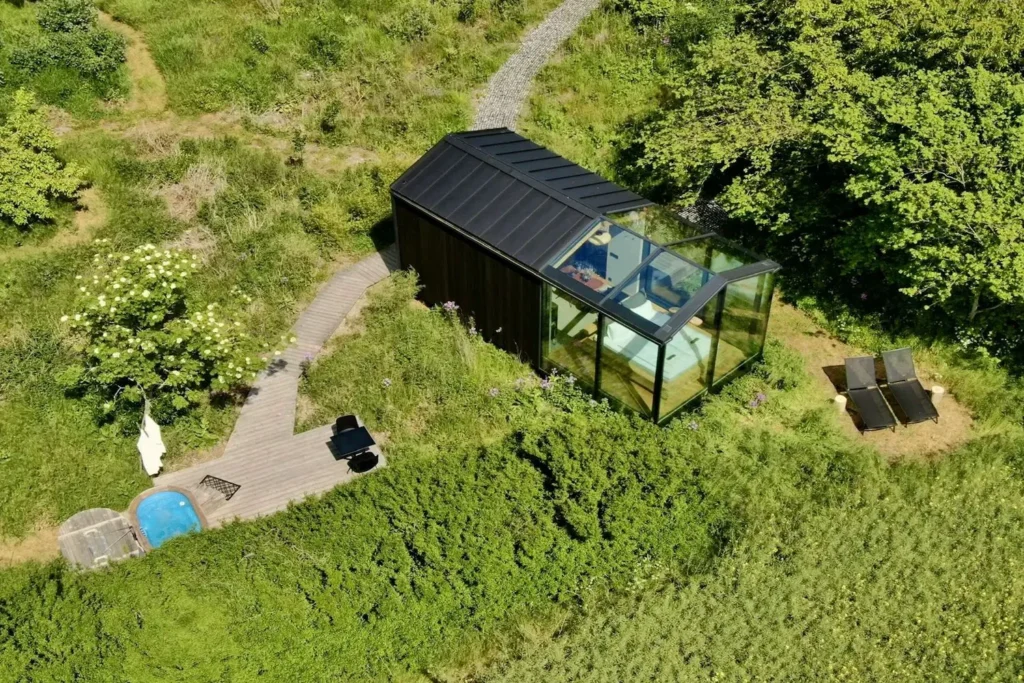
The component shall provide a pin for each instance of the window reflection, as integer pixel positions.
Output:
(629, 363)
(744, 320)
(687, 357)
(714, 253)
(570, 337)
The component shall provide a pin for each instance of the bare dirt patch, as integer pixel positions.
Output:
(824, 357)
(149, 92)
(200, 184)
(91, 213)
(39, 546)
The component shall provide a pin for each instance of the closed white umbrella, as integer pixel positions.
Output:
(151, 445)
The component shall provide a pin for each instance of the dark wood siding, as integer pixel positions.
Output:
(495, 293)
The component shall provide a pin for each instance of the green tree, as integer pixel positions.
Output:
(141, 337)
(31, 175)
(882, 139)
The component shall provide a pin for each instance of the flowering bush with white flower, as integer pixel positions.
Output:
(141, 336)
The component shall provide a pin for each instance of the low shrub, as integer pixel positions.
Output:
(73, 41)
(31, 175)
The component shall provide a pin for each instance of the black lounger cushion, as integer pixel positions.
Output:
(873, 409)
(914, 401)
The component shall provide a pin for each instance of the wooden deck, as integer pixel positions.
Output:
(272, 465)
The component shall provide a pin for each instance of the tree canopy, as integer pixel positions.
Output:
(884, 139)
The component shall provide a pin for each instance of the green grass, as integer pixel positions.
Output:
(274, 230)
(384, 75)
(586, 102)
(399, 570)
(915, 577)
(419, 377)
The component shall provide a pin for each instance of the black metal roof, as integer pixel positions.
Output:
(529, 204)
(510, 193)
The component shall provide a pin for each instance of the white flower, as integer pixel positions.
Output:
(178, 340)
(145, 293)
(115, 354)
(277, 353)
(78, 316)
(291, 340)
(63, 318)
(175, 372)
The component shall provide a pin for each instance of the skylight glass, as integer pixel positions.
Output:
(657, 223)
(714, 253)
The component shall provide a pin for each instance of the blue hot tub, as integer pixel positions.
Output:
(162, 515)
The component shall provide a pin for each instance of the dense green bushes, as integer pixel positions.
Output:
(72, 46)
(31, 175)
(878, 157)
(914, 577)
(386, 575)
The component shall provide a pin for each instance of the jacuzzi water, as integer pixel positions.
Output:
(166, 514)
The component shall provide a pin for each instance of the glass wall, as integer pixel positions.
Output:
(655, 222)
(714, 253)
(688, 356)
(629, 364)
(744, 320)
(569, 336)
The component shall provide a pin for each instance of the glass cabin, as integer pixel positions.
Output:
(642, 306)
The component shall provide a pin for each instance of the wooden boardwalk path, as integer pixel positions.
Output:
(273, 465)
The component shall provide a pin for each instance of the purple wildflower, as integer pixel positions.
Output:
(864, 296)
(497, 331)
(386, 382)
(493, 393)
(758, 400)
(593, 402)
(472, 332)
(571, 380)
(450, 306)
(692, 425)
(546, 384)
(666, 41)
(520, 383)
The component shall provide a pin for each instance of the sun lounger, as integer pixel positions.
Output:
(906, 388)
(862, 387)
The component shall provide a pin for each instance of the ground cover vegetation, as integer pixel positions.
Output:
(396, 572)
(270, 195)
(903, 575)
(57, 49)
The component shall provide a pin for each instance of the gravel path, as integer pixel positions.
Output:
(509, 87)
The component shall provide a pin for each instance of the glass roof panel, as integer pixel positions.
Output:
(714, 253)
(657, 223)
(604, 256)
(628, 276)
(659, 288)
